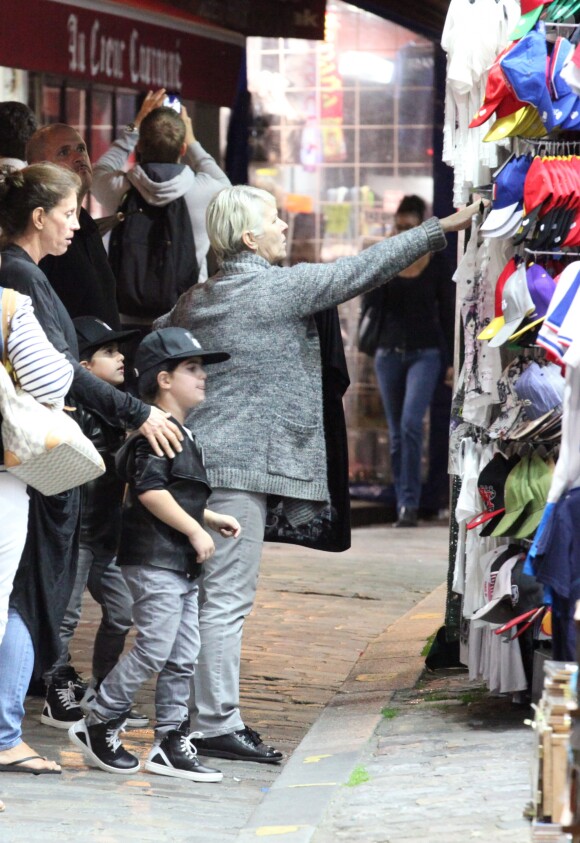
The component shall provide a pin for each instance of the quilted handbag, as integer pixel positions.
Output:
(43, 446)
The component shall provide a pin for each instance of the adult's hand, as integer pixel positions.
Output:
(163, 435)
(462, 219)
(154, 99)
(189, 136)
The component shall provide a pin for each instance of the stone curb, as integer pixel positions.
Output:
(325, 758)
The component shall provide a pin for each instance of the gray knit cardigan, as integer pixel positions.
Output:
(261, 423)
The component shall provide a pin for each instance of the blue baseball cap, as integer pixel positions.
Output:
(508, 193)
(565, 100)
(525, 66)
(538, 390)
(560, 52)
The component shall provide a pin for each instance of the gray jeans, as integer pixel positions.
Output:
(167, 643)
(226, 595)
(102, 576)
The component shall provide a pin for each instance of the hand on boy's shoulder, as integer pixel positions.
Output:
(163, 435)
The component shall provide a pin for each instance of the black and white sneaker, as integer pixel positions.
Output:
(135, 719)
(101, 745)
(60, 706)
(79, 683)
(176, 756)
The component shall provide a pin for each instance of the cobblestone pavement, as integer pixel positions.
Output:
(315, 615)
(446, 764)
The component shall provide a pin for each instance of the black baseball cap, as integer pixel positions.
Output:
(491, 485)
(172, 344)
(92, 333)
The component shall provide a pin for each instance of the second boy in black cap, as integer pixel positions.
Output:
(99, 540)
(163, 542)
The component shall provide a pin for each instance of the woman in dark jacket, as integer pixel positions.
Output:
(38, 216)
(417, 309)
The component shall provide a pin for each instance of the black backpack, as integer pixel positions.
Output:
(152, 255)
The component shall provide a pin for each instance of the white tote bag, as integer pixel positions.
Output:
(43, 446)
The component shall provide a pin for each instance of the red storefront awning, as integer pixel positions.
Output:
(121, 49)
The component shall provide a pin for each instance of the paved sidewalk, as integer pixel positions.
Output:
(403, 755)
(377, 750)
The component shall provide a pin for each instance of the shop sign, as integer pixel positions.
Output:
(107, 48)
(280, 19)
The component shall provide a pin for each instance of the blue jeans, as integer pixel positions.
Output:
(407, 380)
(16, 665)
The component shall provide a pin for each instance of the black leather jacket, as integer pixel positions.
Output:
(145, 540)
(102, 498)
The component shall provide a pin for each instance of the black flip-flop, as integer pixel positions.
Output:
(15, 767)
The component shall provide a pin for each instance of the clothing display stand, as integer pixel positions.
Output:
(514, 436)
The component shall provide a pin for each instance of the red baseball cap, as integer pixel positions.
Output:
(498, 96)
(498, 322)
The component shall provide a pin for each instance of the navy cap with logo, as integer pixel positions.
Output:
(92, 333)
(167, 344)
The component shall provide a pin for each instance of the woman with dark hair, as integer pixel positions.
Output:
(38, 216)
(417, 311)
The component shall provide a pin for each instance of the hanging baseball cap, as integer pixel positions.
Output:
(538, 390)
(499, 98)
(530, 15)
(514, 592)
(167, 344)
(545, 427)
(566, 101)
(560, 9)
(498, 321)
(516, 304)
(524, 67)
(517, 496)
(541, 286)
(538, 191)
(490, 485)
(560, 52)
(508, 194)
(571, 70)
(525, 123)
(540, 480)
(92, 334)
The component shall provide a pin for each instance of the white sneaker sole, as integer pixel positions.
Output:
(96, 761)
(47, 720)
(175, 773)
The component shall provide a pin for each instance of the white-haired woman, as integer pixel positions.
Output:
(261, 424)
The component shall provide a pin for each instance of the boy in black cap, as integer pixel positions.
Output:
(99, 539)
(163, 542)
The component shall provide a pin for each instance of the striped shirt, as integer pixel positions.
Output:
(41, 370)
